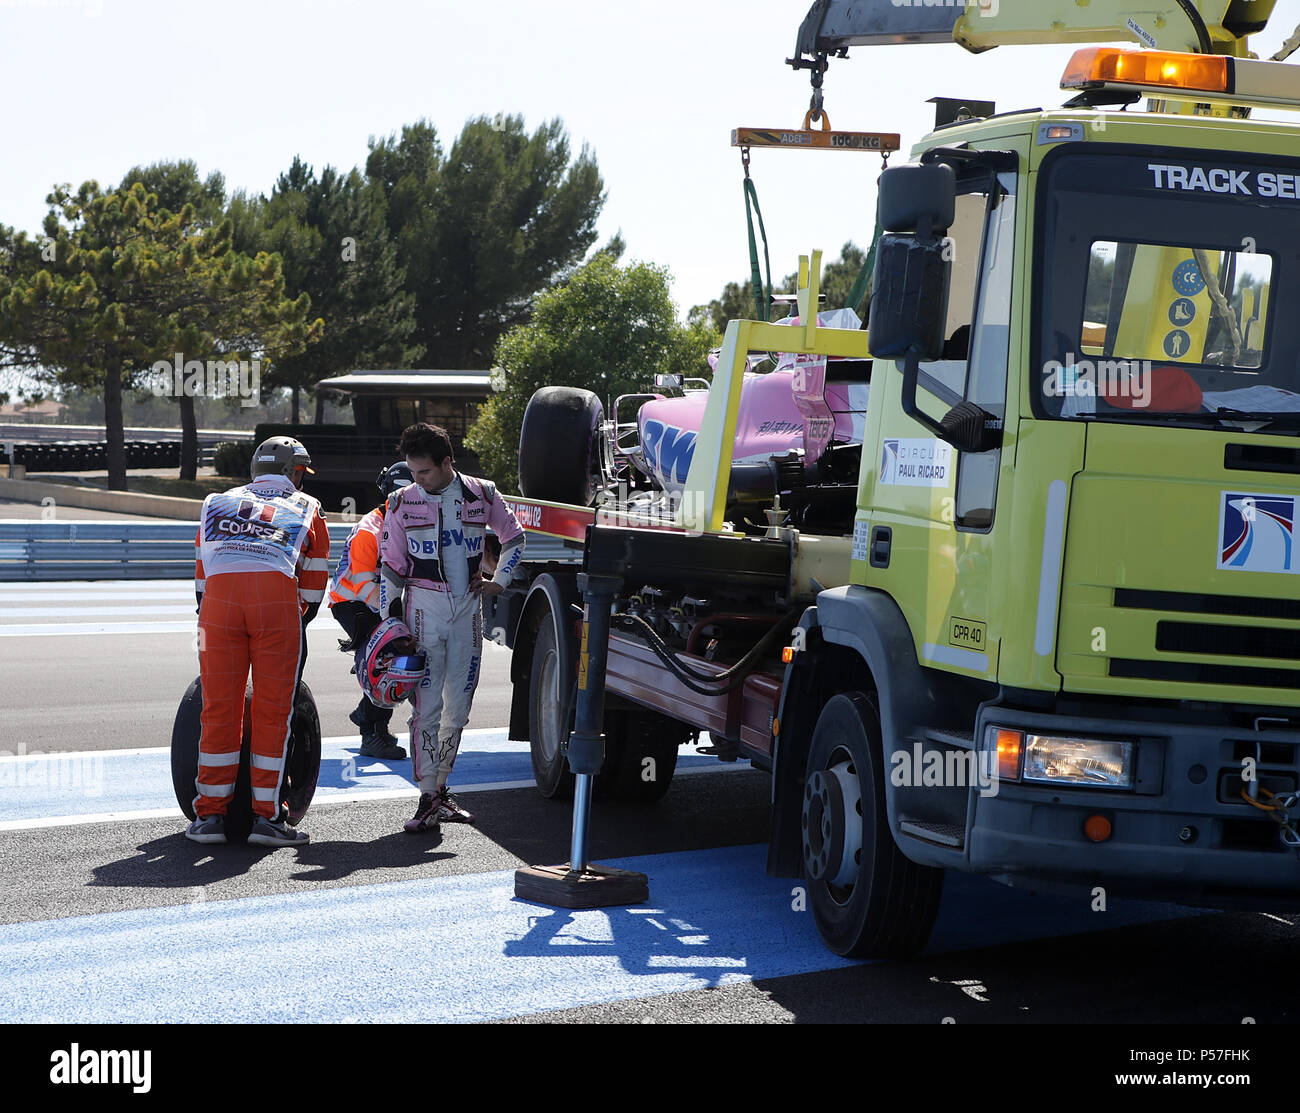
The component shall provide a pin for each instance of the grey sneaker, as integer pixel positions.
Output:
(267, 833)
(207, 829)
(381, 745)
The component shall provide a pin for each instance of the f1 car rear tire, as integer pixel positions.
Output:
(559, 446)
(301, 762)
(868, 899)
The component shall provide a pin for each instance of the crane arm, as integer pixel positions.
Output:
(1201, 26)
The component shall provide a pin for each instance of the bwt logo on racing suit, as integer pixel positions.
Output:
(450, 537)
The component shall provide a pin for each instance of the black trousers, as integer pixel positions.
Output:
(359, 622)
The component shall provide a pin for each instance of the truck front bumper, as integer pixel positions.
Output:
(1181, 833)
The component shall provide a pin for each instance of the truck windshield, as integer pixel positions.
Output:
(1166, 286)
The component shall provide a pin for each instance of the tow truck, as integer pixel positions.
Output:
(1019, 593)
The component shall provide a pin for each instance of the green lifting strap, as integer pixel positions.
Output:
(761, 307)
(859, 290)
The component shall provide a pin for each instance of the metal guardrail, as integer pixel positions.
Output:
(98, 550)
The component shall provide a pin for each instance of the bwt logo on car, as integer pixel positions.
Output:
(668, 449)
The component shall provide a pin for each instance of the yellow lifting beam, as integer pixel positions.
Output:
(810, 138)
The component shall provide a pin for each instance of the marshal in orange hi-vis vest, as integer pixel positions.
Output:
(263, 563)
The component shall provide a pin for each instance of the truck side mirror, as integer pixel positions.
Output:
(909, 298)
(909, 295)
(918, 198)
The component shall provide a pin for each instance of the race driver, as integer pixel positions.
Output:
(433, 546)
(354, 602)
(262, 566)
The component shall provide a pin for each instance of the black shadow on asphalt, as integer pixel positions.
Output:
(175, 862)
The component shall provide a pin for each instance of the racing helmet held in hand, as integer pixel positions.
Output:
(390, 666)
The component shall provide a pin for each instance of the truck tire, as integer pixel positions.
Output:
(867, 898)
(301, 762)
(550, 716)
(640, 755)
(559, 446)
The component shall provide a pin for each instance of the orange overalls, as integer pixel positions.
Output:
(263, 561)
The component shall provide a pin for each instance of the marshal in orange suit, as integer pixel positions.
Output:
(261, 573)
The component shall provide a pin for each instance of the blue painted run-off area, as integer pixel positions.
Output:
(463, 948)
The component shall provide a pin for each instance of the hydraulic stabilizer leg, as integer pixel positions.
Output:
(580, 884)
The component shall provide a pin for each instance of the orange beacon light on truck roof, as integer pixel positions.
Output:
(1148, 69)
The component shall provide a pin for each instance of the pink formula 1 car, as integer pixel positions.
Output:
(798, 435)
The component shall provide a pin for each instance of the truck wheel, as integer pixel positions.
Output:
(301, 763)
(640, 755)
(868, 899)
(550, 716)
(559, 446)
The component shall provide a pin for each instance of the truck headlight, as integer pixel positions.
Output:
(1078, 761)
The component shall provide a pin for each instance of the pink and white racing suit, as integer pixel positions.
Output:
(432, 546)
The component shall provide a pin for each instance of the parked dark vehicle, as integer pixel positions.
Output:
(347, 458)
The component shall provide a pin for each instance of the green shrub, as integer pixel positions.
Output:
(233, 458)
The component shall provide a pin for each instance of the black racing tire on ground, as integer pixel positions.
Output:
(301, 765)
(640, 755)
(559, 446)
(867, 898)
(302, 758)
(551, 706)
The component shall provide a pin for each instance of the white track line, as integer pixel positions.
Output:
(44, 598)
(327, 800)
(69, 629)
(107, 610)
(319, 802)
(342, 739)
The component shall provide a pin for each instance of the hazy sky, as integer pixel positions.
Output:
(93, 87)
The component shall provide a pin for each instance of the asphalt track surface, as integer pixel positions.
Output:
(106, 908)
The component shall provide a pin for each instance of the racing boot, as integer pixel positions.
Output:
(449, 809)
(426, 815)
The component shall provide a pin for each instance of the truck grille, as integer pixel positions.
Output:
(1227, 641)
(1215, 640)
(1240, 605)
(1189, 673)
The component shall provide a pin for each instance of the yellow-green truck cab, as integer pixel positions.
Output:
(1069, 654)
